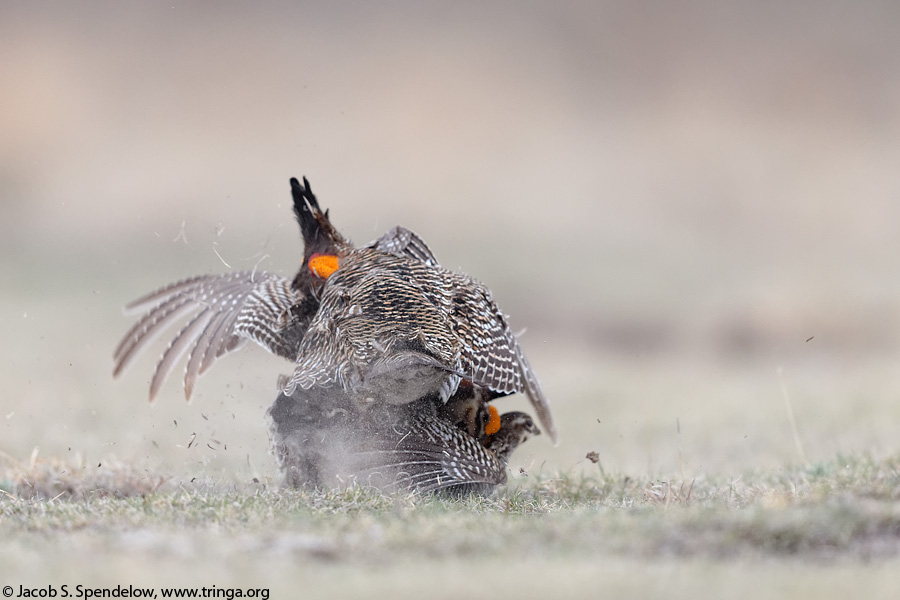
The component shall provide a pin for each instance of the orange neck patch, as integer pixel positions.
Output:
(323, 265)
(493, 424)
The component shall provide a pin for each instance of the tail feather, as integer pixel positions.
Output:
(319, 235)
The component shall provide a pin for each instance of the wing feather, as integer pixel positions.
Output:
(176, 349)
(201, 351)
(224, 312)
(403, 242)
(148, 329)
(430, 455)
(495, 359)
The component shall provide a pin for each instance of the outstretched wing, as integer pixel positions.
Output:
(496, 360)
(404, 243)
(225, 311)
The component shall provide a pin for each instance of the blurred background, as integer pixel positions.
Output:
(692, 210)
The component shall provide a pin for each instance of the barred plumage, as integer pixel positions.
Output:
(434, 326)
(377, 330)
(434, 456)
(392, 448)
(225, 311)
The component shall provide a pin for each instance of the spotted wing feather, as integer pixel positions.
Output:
(403, 242)
(493, 357)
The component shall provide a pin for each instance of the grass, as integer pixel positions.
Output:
(830, 521)
(848, 507)
(709, 487)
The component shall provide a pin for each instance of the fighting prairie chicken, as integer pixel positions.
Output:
(383, 324)
(393, 447)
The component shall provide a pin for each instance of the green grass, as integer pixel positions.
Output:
(704, 490)
(834, 520)
(697, 495)
(848, 507)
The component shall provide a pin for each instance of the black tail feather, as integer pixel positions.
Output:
(319, 235)
(304, 204)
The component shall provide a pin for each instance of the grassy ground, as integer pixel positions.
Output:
(818, 530)
(775, 474)
(692, 209)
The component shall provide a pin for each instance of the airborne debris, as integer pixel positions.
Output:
(463, 356)
(182, 235)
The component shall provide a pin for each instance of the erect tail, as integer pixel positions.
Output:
(319, 235)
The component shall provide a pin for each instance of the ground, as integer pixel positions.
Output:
(714, 476)
(811, 531)
(689, 211)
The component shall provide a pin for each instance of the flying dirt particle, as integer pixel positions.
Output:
(593, 457)
(182, 235)
(99, 464)
(809, 338)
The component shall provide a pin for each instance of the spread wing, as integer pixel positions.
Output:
(402, 242)
(224, 312)
(495, 359)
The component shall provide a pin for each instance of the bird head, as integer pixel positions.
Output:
(322, 243)
(515, 427)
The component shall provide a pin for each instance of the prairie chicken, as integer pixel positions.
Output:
(430, 455)
(366, 327)
(391, 328)
(407, 447)
(385, 321)
(229, 309)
